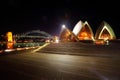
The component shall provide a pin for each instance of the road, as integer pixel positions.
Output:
(58, 62)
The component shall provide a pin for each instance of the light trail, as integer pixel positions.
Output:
(40, 47)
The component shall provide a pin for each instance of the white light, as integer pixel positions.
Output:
(9, 50)
(27, 48)
(107, 42)
(57, 41)
(63, 26)
(19, 48)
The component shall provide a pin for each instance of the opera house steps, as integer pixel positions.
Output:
(79, 48)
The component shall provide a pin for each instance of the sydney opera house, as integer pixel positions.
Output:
(83, 32)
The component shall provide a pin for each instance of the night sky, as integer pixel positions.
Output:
(25, 15)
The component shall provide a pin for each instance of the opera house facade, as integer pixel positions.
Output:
(67, 35)
(105, 32)
(83, 31)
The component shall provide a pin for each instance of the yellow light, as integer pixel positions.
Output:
(40, 47)
(9, 37)
(10, 45)
(84, 34)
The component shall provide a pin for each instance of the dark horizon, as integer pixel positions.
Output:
(22, 16)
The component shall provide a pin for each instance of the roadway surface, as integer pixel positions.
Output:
(63, 61)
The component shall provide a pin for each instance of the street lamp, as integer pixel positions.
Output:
(63, 26)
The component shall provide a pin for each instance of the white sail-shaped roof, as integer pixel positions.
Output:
(77, 28)
(91, 31)
(105, 31)
(83, 31)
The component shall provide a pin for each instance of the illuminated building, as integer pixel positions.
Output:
(55, 39)
(105, 32)
(77, 28)
(67, 35)
(9, 37)
(10, 43)
(83, 31)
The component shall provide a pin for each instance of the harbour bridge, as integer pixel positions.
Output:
(34, 35)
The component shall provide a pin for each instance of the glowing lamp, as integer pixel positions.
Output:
(63, 26)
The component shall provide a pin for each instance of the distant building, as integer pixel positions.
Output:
(9, 36)
(83, 31)
(105, 32)
(67, 35)
(10, 41)
(77, 28)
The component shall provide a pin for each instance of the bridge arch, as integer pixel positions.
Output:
(32, 35)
